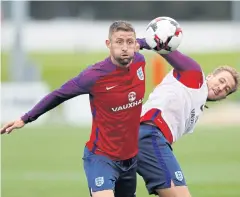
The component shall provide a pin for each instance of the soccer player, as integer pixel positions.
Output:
(116, 88)
(171, 111)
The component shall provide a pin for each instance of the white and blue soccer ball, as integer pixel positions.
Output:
(163, 34)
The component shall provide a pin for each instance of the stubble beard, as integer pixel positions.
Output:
(124, 61)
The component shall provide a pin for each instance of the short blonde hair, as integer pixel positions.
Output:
(233, 72)
(120, 26)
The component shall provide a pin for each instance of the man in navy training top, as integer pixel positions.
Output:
(116, 88)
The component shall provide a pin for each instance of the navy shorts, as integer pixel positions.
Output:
(156, 161)
(105, 174)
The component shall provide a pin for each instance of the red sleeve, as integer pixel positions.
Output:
(190, 78)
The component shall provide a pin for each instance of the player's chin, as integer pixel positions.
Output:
(212, 97)
(125, 61)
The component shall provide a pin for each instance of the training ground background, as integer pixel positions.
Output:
(47, 160)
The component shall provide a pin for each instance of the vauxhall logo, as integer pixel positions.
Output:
(132, 103)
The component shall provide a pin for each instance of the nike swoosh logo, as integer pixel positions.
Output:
(109, 88)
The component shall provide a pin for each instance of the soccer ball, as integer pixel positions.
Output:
(163, 34)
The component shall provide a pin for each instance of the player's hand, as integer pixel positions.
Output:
(9, 127)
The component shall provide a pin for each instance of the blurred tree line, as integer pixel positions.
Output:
(132, 10)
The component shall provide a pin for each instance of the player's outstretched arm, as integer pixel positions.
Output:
(74, 87)
(67, 91)
(176, 59)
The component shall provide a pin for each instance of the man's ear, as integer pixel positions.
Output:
(209, 76)
(137, 47)
(108, 43)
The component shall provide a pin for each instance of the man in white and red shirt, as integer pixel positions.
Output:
(172, 110)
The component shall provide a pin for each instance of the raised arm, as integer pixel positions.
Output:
(176, 59)
(181, 62)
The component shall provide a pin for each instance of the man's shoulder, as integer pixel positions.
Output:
(191, 78)
(138, 57)
(102, 67)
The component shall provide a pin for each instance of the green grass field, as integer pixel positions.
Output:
(46, 161)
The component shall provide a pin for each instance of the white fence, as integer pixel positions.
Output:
(18, 98)
(91, 35)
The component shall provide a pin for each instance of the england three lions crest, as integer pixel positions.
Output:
(99, 181)
(140, 73)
